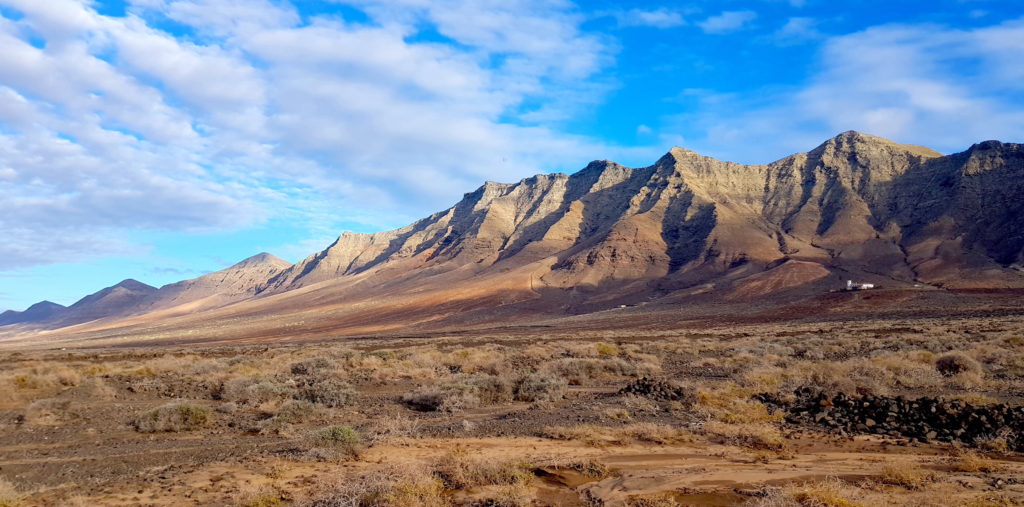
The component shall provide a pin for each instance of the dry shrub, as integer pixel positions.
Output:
(49, 411)
(396, 486)
(435, 398)
(44, 375)
(541, 387)
(459, 470)
(463, 393)
(587, 468)
(327, 391)
(733, 404)
(830, 492)
(296, 411)
(656, 433)
(652, 500)
(510, 495)
(265, 495)
(972, 463)
(606, 349)
(388, 429)
(906, 476)
(291, 412)
(752, 436)
(255, 391)
(316, 365)
(957, 363)
(617, 414)
(94, 388)
(334, 443)
(173, 417)
(578, 370)
(9, 494)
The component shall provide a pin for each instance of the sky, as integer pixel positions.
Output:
(163, 139)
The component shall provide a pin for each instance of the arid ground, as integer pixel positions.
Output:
(733, 414)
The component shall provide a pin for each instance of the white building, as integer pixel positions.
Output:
(858, 286)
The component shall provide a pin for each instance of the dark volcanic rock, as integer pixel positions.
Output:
(922, 419)
(659, 390)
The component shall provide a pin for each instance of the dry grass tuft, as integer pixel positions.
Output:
(459, 470)
(396, 486)
(758, 436)
(830, 492)
(957, 363)
(655, 500)
(9, 494)
(595, 435)
(906, 476)
(265, 495)
(972, 463)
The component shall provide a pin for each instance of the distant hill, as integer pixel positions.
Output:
(39, 312)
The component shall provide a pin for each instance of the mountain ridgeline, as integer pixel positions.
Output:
(856, 207)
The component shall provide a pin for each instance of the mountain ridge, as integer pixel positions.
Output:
(855, 206)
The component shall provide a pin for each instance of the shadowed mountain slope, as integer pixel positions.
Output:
(39, 312)
(688, 228)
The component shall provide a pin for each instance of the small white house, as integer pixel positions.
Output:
(858, 286)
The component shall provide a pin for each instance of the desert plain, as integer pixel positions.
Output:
(629, 407)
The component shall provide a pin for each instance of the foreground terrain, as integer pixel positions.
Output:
(743, 414)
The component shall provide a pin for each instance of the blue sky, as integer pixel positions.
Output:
(163, 139)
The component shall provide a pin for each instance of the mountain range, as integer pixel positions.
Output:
(688, 229)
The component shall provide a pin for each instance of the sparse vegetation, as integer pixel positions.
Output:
(957, 363)
(328, 392)
(335, 442)
(173, 417)
(9, 494)
(728, 396)
(909, 476)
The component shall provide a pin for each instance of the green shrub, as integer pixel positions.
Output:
(173, 417)
(334, 442)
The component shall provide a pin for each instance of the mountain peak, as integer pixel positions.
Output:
(261, 259)
(852, 141)
(45, 305)
(134, 285)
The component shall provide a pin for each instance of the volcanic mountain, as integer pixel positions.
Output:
(39, 312)
(688, 228)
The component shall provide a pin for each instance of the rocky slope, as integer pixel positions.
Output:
(857, 204)
(689, 226)
(235, 283)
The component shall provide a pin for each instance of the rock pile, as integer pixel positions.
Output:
(659, 390)
(923, 419)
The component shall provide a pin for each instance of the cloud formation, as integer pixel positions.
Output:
(657, 18)
(727, 21)
(247, 110)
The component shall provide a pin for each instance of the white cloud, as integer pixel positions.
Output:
(657, 18)
(727, 21)
(797, 30)
(114, 125)
(921, 84)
